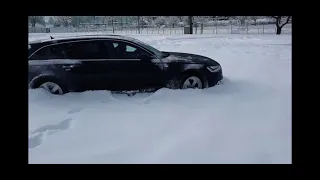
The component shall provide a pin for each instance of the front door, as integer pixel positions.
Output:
(134, 66)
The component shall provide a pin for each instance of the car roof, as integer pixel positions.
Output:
(52, 40)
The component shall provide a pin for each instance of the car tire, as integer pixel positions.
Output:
(180, 82)
(52, 85)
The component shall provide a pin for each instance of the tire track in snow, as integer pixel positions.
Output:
(39, 135)
(74, 110)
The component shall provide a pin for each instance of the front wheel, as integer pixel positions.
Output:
(192, 82)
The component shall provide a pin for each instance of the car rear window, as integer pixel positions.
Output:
(50, 52)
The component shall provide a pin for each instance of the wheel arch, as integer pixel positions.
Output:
(36, 81)
(198, 73)
(175, 81)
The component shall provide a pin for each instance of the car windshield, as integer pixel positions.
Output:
(150, 48)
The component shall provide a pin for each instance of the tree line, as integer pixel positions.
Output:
(156, 21)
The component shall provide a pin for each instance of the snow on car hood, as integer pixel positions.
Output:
(188, 58)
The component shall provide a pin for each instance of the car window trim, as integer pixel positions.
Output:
(107, 39)
(130, 43)
(58, 59)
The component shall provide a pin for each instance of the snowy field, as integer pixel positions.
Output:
(247, 119)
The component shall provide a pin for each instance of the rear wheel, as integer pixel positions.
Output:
(51, 84)
(52, 87)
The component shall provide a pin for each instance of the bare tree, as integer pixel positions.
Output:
(76, 20)
(241, 19)
(184, 19)
(254, 18)
(181, 18)
(160, 21)
(146, 20)
(108, 19)
(126, 20)
(112, 23)
(51, 21)
(190, 24)
(138, 24)
(88, 19)
(36, 19)
(201, 20)
(173, 20)
(63, 20)
(278, 22)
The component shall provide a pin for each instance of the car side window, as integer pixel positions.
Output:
(86, 50)
(73, 50)
(123, 50)
(128, 47)
(50, 52)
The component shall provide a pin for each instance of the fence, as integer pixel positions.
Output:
(213, 29)
(38, 30)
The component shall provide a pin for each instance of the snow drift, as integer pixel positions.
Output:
(247, 119)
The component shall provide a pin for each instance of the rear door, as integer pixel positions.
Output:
(81, 65)
(52, 61)
(96, 74)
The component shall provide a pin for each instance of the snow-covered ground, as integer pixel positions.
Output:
(245, 120)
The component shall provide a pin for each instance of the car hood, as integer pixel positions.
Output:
(178, 57)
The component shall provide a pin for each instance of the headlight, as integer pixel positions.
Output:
(214, 68)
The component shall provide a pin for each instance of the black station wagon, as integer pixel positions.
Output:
(115, 63)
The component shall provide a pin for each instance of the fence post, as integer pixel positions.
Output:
(263, 28)
(247, 27)
(216, 28)
(231, 28)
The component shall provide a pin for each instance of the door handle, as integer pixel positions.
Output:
(68, 67)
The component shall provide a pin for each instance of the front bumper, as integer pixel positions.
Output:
(214, 78)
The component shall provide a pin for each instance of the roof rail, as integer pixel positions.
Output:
(101, 35)
(51, 38)
(83, 35)
(94, 35)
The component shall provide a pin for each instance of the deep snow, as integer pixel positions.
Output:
(247, 119)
